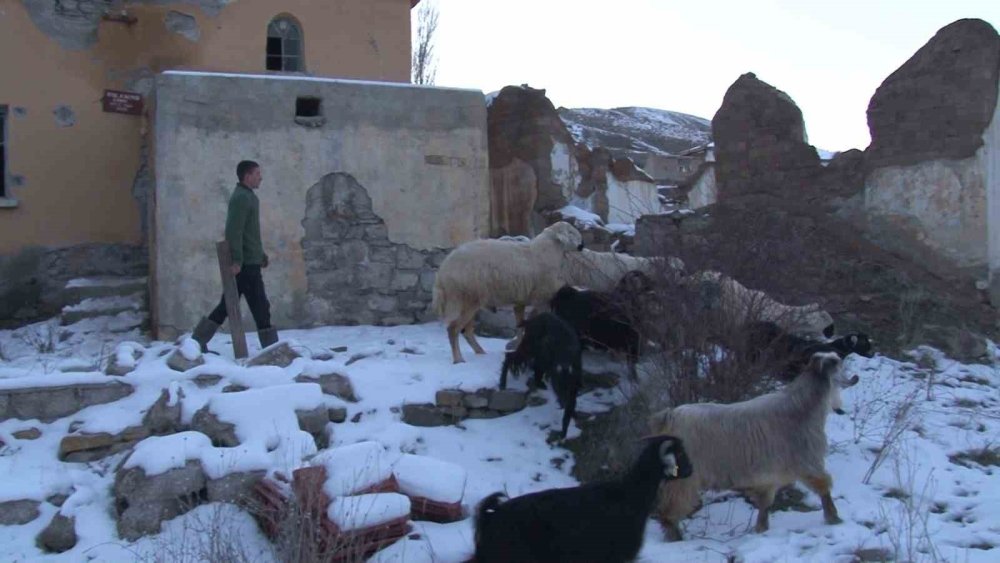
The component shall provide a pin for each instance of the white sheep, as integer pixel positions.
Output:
(493, 273)
(600, 271)
(757, 446)
(744, 305)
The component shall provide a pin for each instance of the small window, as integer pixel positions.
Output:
(307, 107)
(284, 45)
(3, 151)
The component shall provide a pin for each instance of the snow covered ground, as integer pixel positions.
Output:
(907, 459)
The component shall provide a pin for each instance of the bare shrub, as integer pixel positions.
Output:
(905, 517)
(695, 349)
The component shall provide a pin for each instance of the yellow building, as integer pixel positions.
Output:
(74, 169)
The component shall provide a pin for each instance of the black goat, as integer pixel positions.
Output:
(603, 320)
(794, 351)
(594, 522)
(550, 347)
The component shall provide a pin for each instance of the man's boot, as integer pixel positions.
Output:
(204, 332)
(267, 336)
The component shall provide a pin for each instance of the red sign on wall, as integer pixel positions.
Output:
(116, 101)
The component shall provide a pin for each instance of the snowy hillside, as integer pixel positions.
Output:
(914, 460)
(636, 130)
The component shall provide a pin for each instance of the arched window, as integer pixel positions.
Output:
(284, 45)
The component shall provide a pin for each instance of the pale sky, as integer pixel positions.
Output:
(682, 55)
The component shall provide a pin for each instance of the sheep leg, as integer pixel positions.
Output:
(456, 354)
(763, 499)
(821, 485)
(470, 337)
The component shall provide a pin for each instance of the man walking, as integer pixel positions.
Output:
(243, 236)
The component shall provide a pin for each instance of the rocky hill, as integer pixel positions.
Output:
(636, 131)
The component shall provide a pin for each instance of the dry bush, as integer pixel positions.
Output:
(695, 349)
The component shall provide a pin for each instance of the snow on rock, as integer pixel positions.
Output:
(582, 217)
(160, 454)
(621, 228)
(266, 425)
(364, 511)
(126, 354)
(355, 468)
(430, 478)
(190, 349)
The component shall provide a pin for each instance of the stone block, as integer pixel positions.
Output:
(408, 258)
(314, 420)
(161, 417)
(449, 398)
(334, 384)
(177, 362)
(222, 434)
(404, 280)
(84, 442)
(382, 303)
(424, 415)
(507, 400)
(427, 281)
(374, 276)
(58, 536)
(28, 434)
(206, 380)
(235, 487)
(337, 414)
(483, 414)
(18, 512)
(281, 355)
(476, 401)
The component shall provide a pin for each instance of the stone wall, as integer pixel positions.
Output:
(926, 191)
(411, 162)
(355, 274)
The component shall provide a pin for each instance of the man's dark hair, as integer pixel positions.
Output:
(245, 167)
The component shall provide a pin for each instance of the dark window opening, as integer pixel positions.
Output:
(284, 45)
(307, 107)
(3, 151)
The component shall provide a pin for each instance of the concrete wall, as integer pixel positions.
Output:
(76, 173)
(989, 155)
(629, 200)
(76, 179)
(938, 204)
(419, 154)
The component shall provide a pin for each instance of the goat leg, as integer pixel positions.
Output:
(503, 371)
(763, 498)
(821, 485)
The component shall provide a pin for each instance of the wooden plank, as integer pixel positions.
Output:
(232, 300)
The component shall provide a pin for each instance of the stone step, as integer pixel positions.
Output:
(79, 289)
(121, 322)
(102, 307)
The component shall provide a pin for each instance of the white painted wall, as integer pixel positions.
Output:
(565, 172)
(627, 201)
(705, 191)
(989, 154)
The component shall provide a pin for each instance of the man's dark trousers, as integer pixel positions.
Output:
(250, 284)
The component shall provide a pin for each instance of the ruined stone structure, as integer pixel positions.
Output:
(76, 185)
(358, 204)
(760, 142)
(922, 189)
(932, 177)
(535, 169)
